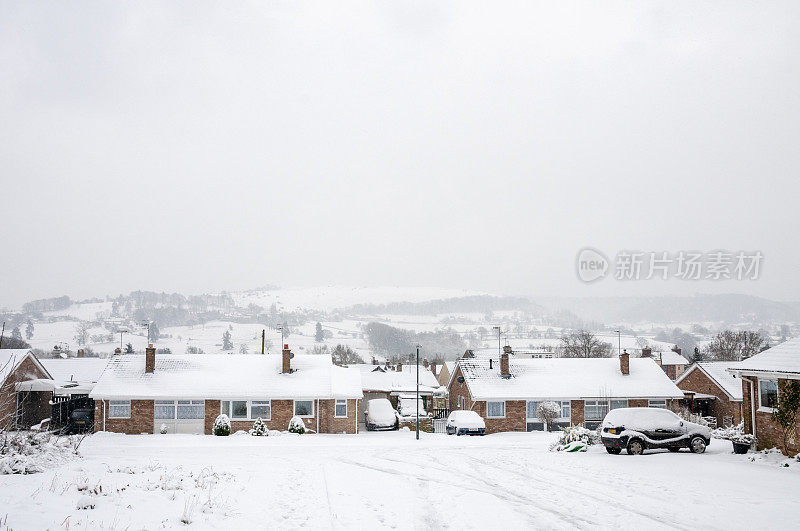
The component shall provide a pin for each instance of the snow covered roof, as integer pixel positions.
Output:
(76, 369)
(10, 358)
(225, 376)
(567, 378)
(378, 378)
(717, 371)
(671, 357)
(783, 358)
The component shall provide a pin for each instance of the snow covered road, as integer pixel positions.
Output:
(389, 480)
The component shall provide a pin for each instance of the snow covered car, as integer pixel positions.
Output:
(380, 415)
(639, 428)
(465, 423)
(405, 406)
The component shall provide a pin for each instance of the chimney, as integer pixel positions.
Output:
(625, 362)
(117, 351)
(507, 349)
(287, 357)
(433, 368)
(505, 372)
(647, 352)
(80, 353)
(399, 367)
(425, 362)
(150, 358)
(676, 349)
(490, 364)
(374, 361)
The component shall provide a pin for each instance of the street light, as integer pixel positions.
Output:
(499, 348)
(417, 404)
(619, 343)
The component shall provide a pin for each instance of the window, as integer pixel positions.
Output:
(616, 404)
(247, 409)
(261, 409)
(566, 409)
(495, 409)
(119, 409)
(191, 409)
(341, 408)
(531, 408)
(164, 409)
(595, 409)
(768, 393)
(662, 404)
(304, 408)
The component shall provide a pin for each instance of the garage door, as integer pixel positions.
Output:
(179, 416)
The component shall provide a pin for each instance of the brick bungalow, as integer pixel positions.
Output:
(714, 392)
(506, 392)
(672, 361)
(25, 408)
(387, 381)
(186, 392)
(763, 376)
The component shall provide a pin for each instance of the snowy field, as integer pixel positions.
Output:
(389, 480)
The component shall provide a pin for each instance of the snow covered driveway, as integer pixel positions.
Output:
(389, 480)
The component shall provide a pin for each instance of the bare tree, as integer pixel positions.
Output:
(343, 355)
(548, 412)
(584, 344)
(82, 333)
(731, 345)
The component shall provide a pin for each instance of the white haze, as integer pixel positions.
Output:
(197, 146)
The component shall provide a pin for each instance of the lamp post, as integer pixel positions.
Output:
(417, 404)
(499, 348)
(619, 342)
(120, 337)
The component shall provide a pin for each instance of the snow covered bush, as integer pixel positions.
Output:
(734, 434)
(164, 429)
(296, 425)
(31, 452)
(575, 439)
(548, 412)
(259, 428)
(222, 425)
(686, 414)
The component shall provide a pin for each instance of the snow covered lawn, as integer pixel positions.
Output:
(389, 480)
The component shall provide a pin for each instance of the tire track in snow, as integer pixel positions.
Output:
(495, 489)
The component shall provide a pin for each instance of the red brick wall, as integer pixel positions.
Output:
(638, 402)
(577, 412)
(328, 423)
(458, 389)
(141, 420)
(722, 406)
(27, 370)
(768, 432)
(515, 419)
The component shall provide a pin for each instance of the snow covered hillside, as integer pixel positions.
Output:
(389, 480)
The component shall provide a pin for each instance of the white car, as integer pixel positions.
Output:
(380, 415)
(464, 422)
(405, 406)
(636, 429)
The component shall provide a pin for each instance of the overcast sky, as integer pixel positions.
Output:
(192, 146)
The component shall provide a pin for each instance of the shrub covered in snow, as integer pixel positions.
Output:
(296, 425)
(222, 425)
(734, 434)
(259, 428)
(686, 414)
(548, 412)
(164, 429)
(31, 452)
(575, 439)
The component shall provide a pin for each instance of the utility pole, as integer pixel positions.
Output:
(281, 328)
(263, 340)
(499, 348)
(619, 343)
(146, 324)
(417, 404)
(120, 337)
(1, 334)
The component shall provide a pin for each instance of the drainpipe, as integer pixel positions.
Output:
(318, 414)
(752, 407)
(104, 414)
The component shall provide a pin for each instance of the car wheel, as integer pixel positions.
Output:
(635, 447)
(673, 449)
(698, 445)
(613, 451)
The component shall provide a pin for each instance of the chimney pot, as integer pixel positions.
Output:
(81, 353)
(425, 362)
(505, 371)
(647, 352)
(625, 362)
(117, 351)
(507, 349)
(399, 367)
(149, 359)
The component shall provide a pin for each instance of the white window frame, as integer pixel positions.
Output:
(488, 416)
(568, 405)
(660, 404)
(562, 404)
(229, 410)
(595, 403)
(627, 403)
(762, 407)
(534, 418)
(119, 403)
(336, 403)
(294, 409)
